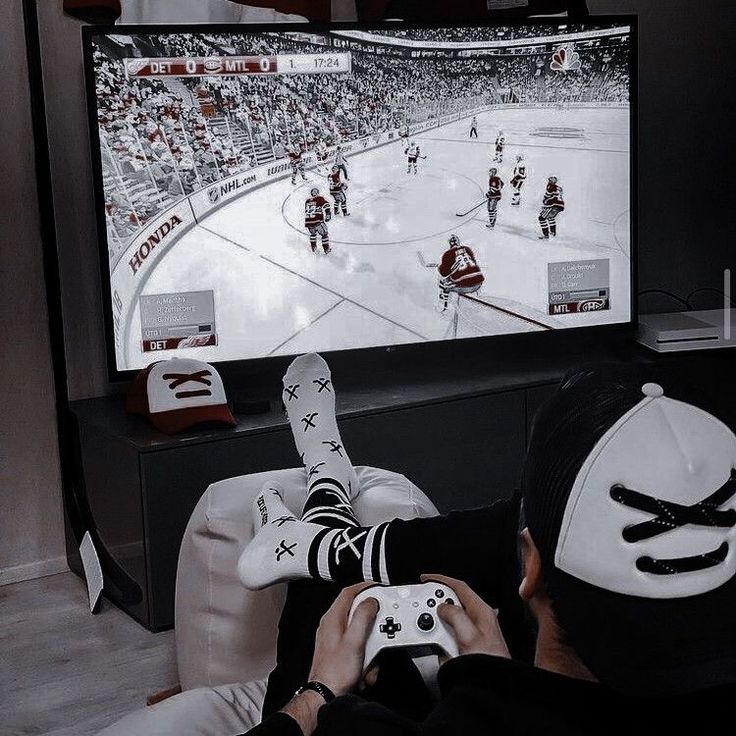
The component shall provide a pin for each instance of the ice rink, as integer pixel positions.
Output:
(273, 296)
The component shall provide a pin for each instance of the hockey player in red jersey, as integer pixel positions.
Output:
(552, 205)
(500, 143)
(493, 195)
(337, 191)
(459, 272)
(317, 214)
(296, 157)
(518, 180)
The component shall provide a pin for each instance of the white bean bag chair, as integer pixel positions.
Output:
(226, 634)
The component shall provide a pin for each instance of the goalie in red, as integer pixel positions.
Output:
(337, 191)
(459, 273)
(317, 214)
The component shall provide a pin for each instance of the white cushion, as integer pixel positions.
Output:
(225, 633)
(227, 710)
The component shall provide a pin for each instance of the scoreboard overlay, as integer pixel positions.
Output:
(177, 321)
(229, 66)
(579, 286)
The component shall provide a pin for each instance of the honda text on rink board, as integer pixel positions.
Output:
(273, 190)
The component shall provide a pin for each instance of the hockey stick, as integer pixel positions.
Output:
(472, 209)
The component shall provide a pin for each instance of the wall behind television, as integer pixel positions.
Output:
(31, 530)
(687, 231)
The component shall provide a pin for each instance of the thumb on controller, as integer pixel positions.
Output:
(460, 623)
(362, 621)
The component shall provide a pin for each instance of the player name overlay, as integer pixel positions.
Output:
(223, 66)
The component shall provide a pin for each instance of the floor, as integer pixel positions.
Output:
(64, 672)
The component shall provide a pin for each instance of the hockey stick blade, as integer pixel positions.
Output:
(472, 209)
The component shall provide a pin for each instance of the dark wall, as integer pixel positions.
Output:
(31, 528)
(687, 228)
(686, 222)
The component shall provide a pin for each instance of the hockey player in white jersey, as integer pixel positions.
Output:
(413, 153)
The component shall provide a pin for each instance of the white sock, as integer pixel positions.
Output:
(279, 550)
(285, 549)
(309, 399)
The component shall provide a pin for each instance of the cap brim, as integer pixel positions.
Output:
(136, 401)
(647, 647)
(179, 420)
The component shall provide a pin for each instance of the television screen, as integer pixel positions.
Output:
(274, 190)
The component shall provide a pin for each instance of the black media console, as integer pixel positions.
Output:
(459, 432)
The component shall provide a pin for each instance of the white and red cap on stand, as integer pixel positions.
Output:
(178, 394)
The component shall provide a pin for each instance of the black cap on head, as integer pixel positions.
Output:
(630, 497)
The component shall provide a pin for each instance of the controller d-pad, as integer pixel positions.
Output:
(390, 628)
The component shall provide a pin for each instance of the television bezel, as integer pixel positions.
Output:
(531, 343)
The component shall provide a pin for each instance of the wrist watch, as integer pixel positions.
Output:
(319, 688)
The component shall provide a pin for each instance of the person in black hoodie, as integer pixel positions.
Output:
(629, 572)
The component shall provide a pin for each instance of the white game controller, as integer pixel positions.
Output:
(407, 617)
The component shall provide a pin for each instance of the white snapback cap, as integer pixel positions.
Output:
(178, 394)
(656, 524)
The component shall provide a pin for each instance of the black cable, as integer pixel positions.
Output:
(708, 289)
(665, 293)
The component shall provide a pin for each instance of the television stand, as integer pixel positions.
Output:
(141, 486)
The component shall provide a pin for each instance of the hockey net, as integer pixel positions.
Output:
(478, 316)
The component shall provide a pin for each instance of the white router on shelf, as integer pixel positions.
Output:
(702, 330)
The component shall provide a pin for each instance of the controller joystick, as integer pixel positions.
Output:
(426, 622)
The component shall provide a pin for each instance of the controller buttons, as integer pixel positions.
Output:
(415, 604)
(450, 602)
(426, 622)
(431, 602)
(396, 605)
(439, 594)
(390, 628)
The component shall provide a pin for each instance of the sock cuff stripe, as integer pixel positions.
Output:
(367, 554)
(328, 482)
(321, 519)
(323, 553)
(321, 510)
(372, 552)
(313, 555)
(311, 510)
(383, 571)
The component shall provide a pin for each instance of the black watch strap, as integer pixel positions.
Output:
(319, 688)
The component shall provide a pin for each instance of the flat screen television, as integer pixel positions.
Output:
(270, 190)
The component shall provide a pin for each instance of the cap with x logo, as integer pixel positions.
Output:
(660, 523)
(630, 498)
(178, 394)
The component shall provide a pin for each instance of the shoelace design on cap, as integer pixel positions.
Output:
(179, 379)
(670, 516)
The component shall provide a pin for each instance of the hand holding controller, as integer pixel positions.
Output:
(407, 617)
